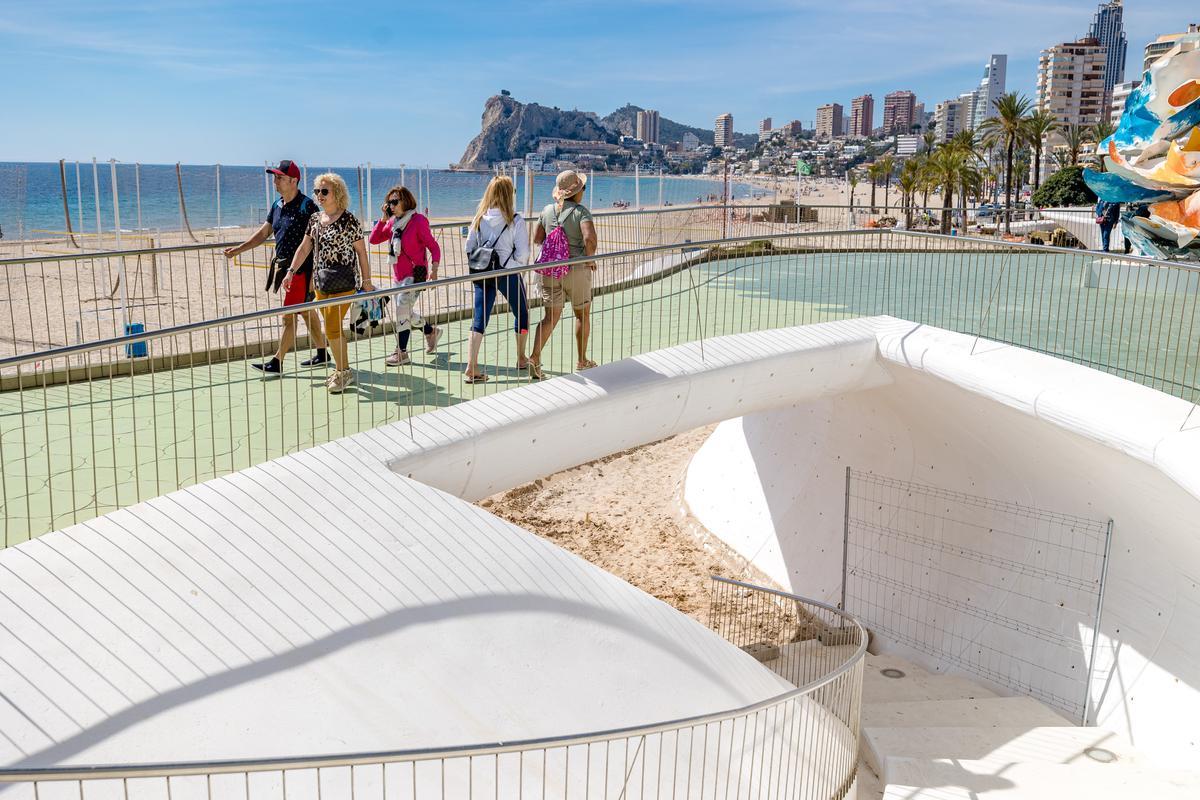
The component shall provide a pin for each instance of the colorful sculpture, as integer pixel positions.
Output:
(1152, 160)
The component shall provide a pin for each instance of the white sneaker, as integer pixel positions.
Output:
(398, 358)
(340, 380)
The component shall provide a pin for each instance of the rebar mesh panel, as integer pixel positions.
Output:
(995, 589)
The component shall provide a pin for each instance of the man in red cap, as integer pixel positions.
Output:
(288, 220)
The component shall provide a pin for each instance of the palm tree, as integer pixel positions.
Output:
(908, 180)
(887, 166)
(1008, 127)
(852, 176)
(1074, 137)
(1102, 130)
(950, 167)
(929, 140)
(1041, 124)
(875, 173)
(966, 142)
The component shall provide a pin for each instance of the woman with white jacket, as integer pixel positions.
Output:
(497, 225)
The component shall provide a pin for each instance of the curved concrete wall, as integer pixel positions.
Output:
(992, 421)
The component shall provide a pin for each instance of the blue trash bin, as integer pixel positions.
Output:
(136, 349)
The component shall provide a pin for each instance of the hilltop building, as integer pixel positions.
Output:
(829, 121)
(690, 141)
(1108, 29)
(862, 115)
(898, 110)
(723, 131)
(764, 127)
(647, 126)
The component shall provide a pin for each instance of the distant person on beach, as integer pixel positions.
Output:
(287, 220)
(498, 226)
(340, 266)
(575, 284)
(418, 256)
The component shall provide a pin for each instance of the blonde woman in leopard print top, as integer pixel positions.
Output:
(340, 266)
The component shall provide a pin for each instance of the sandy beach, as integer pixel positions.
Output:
(625, 514)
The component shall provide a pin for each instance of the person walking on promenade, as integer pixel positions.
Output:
(340, 266)
(499, 227)
(288, 220)
(418, 256)
(575, 220)
(1107, 216)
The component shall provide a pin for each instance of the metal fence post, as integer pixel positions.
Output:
(1087, 692)
(846, 540)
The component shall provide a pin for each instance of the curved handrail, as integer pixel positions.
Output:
(167, 770)
(266, 313)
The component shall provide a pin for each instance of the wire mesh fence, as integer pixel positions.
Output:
(1006, 592)
(802, 743)
(95, 427)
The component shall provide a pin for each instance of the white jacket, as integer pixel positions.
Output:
(517, 236)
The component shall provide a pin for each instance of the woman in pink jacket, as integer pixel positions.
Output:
(410, 239)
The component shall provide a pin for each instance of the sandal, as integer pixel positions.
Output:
(586, 364)
(535, 370)
(479, 377)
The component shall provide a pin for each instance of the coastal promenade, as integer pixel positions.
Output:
(74, 448)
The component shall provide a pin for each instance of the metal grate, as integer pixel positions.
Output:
(1006, 592)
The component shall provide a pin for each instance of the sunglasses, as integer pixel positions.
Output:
(395, 202)
(322, 192)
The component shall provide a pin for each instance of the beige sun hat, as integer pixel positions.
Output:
(568, 184)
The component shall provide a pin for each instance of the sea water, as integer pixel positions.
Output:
(31, 200)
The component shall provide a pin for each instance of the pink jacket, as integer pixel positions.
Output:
(417, 239)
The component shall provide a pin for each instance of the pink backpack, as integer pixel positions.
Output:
(555, 248)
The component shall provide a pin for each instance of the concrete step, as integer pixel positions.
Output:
(996, 779)
(986, 712)
(1051, 745)
(897, 684)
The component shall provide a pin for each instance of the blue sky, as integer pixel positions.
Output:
(346, 83)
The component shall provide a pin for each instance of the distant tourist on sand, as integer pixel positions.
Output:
(340, 266)
(1107, 215)
(288, 220)
(410, 240)
(559, 284)
(498, 226)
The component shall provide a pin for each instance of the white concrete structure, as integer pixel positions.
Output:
(251, 616)
(982, 418)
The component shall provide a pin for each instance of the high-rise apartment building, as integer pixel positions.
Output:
(919, 114)
(1108, 29)
(1070, 83)
(1159, 47)
(862, 115)
(991, 88)
(764, 127)
(898, 110)
(723, 131)
(829, 121)
(948, 119)
(647, 126)
(1121, 93)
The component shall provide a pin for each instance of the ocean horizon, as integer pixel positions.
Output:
(148, 194)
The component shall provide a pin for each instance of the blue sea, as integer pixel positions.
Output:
(31, 202)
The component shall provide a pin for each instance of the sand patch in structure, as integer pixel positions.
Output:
(623, 513)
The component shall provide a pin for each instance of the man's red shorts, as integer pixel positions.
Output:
(298, 292)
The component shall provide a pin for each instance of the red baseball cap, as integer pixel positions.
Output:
(286, 168)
